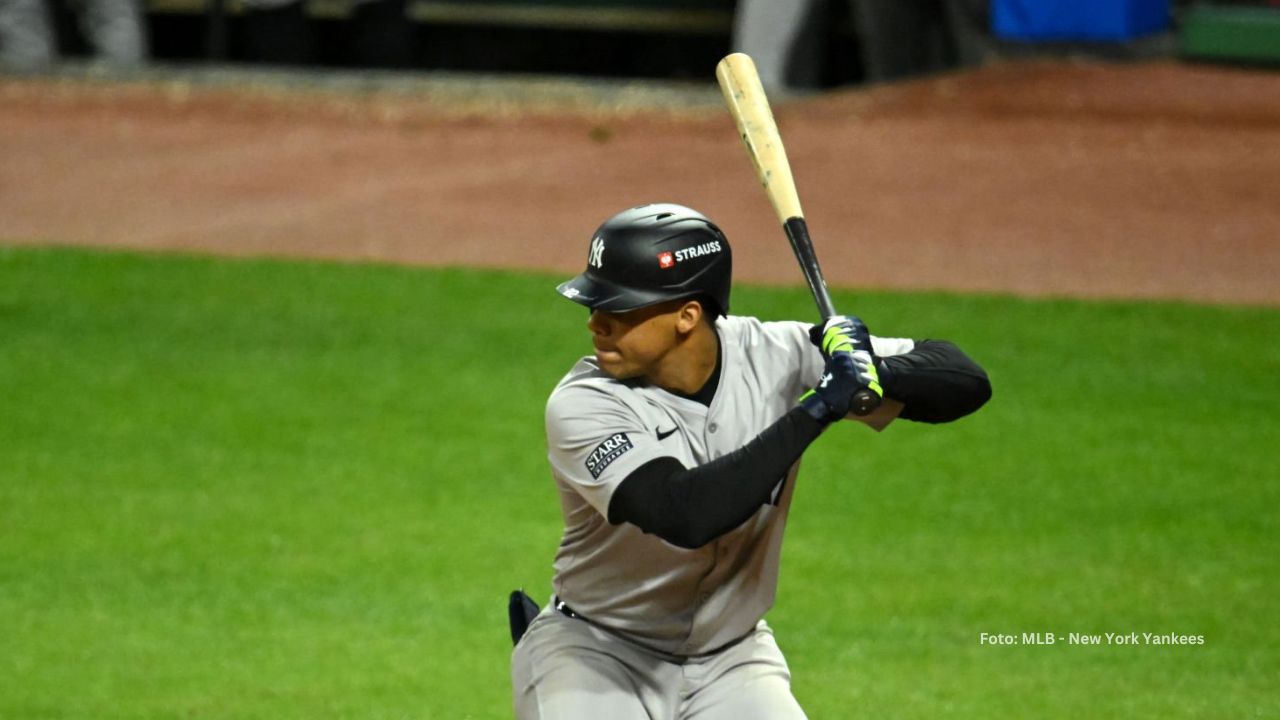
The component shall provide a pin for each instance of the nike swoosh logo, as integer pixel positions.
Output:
(664, 435)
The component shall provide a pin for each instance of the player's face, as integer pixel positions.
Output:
(633, 344)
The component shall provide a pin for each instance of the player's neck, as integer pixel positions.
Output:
(690, 364)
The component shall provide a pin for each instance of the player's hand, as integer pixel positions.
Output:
(841, 333)
(845, 374)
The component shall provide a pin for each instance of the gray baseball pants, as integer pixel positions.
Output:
(568, 669)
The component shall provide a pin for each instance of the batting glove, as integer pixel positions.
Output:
(841, 333)
(844, 375)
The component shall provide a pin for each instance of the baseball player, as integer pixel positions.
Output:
(674, 448)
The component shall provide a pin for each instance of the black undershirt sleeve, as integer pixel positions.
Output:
(936, 382)
(690, 507)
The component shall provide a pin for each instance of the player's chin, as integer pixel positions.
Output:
(613, 365)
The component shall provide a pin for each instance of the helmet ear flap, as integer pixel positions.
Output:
(710, 306)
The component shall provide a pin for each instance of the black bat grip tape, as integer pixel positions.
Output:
(865, 401)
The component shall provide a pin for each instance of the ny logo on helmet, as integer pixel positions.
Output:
(595, 258)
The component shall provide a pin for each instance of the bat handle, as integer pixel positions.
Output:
(864, 402)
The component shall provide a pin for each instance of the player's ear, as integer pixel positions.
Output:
(688, 316)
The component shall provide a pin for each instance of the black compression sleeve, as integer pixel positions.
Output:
(690, 507)
(935, 382)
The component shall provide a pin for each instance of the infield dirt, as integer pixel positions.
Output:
(1082, 179)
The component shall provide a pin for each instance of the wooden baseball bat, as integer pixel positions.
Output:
(749, 106)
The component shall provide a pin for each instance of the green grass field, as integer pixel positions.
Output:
(258, 489)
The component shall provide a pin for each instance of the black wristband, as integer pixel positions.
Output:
(815, 407)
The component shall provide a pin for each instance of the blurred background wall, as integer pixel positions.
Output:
(800, 45)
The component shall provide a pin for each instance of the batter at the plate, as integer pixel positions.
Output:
(675, 448)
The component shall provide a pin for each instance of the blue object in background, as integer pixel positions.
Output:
(1068, 20)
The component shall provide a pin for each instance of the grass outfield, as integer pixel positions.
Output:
(252, 489)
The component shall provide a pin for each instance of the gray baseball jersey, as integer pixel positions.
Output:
(599, 430)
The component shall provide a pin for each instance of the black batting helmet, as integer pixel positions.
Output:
(650, 254)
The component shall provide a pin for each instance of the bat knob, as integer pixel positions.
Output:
(864, 402)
